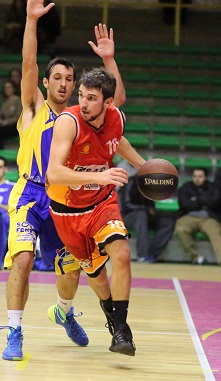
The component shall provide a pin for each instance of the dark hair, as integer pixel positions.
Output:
(99, 78)
(5, 161)
(59, 61)
(201, 169)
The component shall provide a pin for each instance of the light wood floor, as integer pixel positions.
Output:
(165, 350)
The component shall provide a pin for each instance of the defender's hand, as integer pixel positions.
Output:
(36, 9)
(105, 42)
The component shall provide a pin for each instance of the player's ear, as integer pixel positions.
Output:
(108, 102)
(45, 82)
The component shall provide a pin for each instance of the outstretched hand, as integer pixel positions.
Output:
(36, 8)
(105, 42)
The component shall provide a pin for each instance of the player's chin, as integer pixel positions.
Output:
(61, 99)
(63, 95)
(86, 118)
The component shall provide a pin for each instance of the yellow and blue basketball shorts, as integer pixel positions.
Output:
(30, 218)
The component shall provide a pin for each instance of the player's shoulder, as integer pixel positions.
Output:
(10, 183)
(71, 110)
(113, 108)
(7, 184)
(116, 114)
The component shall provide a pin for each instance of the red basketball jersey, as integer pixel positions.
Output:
(92, 150)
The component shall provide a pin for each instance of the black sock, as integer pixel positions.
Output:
(120, 308)
(108, 304)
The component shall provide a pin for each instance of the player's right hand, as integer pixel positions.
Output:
(36, 9)
(116, 176)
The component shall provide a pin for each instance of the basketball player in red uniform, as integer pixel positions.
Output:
(84, 205)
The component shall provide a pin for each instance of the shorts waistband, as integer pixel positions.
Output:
(61, 208)
(42, 185)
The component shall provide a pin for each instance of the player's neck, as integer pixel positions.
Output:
(98, 122)
(2, 181)
(57, 107)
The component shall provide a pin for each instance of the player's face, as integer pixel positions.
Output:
(92, 105)
(199, 177)
(60, 84)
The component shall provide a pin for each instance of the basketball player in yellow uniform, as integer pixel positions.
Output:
(28, 204)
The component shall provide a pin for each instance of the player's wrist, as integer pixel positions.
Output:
(108, 60)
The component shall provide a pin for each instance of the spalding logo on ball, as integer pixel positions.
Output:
(157, 179)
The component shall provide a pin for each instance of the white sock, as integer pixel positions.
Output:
(65, 304)
(15, 317)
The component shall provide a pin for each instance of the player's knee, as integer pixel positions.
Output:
(73, 275)
(23, 262)
(122, 256)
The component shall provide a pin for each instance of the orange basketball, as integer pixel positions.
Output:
(157, 179)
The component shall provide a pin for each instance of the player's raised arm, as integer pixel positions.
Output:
(105, 49)
(31, 96)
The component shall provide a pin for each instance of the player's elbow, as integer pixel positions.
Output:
(120, 100)
(52, 176)
(123, 98)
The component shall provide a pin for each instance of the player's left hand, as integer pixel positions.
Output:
(105, 42)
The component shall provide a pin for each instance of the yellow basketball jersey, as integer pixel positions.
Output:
(35, 142)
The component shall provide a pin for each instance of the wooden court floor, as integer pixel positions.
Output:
(175, 316)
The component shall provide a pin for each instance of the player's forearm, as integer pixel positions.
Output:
(134, 159)
(120, 95)
(29, 50)
(66, 176)
(127, 152)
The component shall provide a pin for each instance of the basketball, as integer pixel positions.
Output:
(157, 179)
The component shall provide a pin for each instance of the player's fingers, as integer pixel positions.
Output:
(121, 182)
(49, 6)
(120, 170)
(105, 31)
(93, 46)
(117, 182)
(97, 32)
(121, 178)
(111, 34)
(101, 30)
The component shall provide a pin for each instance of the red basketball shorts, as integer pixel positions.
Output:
(86, 234)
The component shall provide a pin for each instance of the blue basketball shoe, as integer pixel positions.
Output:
(13, 351)
(74, 331)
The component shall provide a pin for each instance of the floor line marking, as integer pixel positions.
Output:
(104, 330)
(21, 365)
(206, 369)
